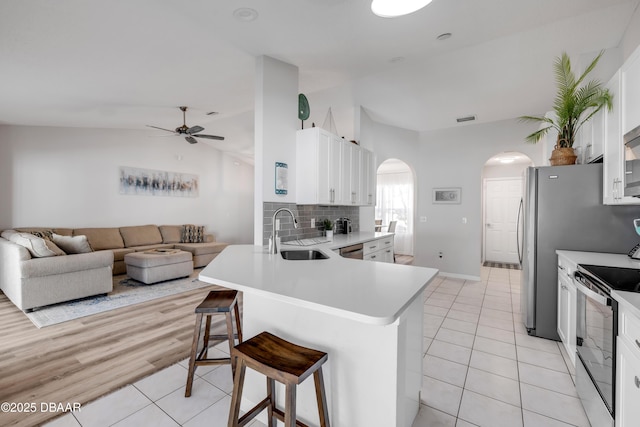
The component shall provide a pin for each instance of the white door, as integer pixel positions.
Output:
(502, 200)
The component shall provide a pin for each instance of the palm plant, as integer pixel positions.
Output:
(574, 104)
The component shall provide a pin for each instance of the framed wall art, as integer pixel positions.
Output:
(449, 195)
(149, 182)
(282, 178)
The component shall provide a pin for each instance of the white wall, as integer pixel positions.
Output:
(276, 123)
(68, 177)
(631, 39)
(455, 158)
(386, 142)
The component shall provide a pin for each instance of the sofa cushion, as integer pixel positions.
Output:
(72, 244)
(118, 254)
(140, 235)
(192, 233)
(37, 246)
(202, 248)
(171, 233)
(101, 238)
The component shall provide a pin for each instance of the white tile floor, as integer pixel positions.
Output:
(480, 369)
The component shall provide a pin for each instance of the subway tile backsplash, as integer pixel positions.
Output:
(303, 214)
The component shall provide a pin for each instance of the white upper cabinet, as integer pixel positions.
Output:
(330, 170)
(369, 178)
(630, 86)
(591, 136)
(625, 86)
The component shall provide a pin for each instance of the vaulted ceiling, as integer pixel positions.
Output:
(125, 64)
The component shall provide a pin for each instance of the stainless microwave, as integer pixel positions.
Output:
(632, 163)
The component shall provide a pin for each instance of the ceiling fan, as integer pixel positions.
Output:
(189, 132)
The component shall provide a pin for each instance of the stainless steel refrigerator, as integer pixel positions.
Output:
(563, 210)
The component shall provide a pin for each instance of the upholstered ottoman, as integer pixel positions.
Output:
(158, 265)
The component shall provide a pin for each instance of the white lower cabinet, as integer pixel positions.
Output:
(567, 307)
(380, 250)
(628, 370)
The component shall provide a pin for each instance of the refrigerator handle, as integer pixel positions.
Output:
(518, 232)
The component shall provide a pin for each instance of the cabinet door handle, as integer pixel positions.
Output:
(373, 256)
(636, 381)
(372, 247)
(638, 343)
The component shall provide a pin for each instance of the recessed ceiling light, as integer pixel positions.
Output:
(396, 59)
(443, 36)
(212, 113)
(245, 14)
(393, 8)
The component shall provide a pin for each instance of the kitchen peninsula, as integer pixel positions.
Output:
(366, 315)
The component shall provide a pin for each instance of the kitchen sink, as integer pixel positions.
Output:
(297, 255)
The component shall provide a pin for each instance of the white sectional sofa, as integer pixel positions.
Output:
(34, 282)
(31, 282)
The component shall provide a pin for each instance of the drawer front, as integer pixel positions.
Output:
(372, 246)
(627, 386)
(378, 244)
(630, 330)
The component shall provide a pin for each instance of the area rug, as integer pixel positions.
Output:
(501, 265)
(125, 292)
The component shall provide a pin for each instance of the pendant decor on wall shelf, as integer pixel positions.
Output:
(330, 125)
(303, 108)
(282, 178)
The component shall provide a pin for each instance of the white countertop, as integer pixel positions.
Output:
(342, 240)
(365, 291)
(630, 300)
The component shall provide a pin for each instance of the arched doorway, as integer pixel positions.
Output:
(502, 189)
(395, 196)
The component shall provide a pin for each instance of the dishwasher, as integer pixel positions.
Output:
(353, 251)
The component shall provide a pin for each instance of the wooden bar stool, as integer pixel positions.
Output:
(285, 362)
(216, 302)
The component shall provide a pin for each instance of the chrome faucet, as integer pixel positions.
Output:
(273, 248)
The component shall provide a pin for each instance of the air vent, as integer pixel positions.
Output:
(466, 119)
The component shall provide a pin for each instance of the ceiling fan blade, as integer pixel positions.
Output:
(194, 129)
(191, 140)
(219, 138)
(156, 127)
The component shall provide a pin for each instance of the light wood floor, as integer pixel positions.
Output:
(81, 360)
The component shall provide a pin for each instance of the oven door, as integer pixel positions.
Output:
(596, 332)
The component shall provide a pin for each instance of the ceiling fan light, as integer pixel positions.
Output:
(394, 8)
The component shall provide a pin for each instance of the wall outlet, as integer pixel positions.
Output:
(423, 219)
(464, 220)
(313, 222)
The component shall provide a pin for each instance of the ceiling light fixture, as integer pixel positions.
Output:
(506, 159)
(443, 36)
(245, 14)
(393, 8)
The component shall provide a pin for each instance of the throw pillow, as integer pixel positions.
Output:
(37, 246)
(72, 245)
(192, 233)
(45, 234)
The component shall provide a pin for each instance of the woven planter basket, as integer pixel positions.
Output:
(563, 156)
